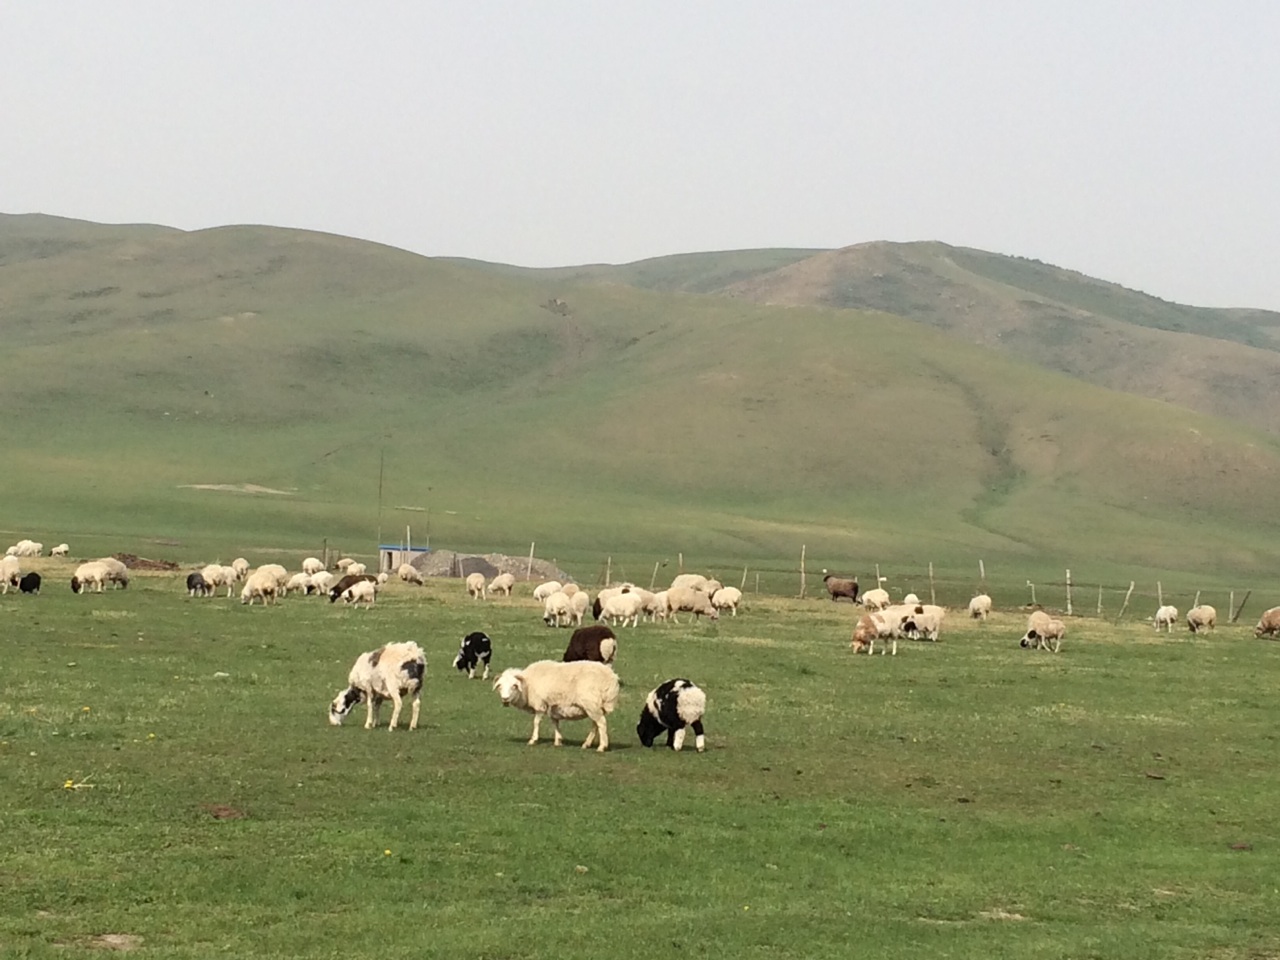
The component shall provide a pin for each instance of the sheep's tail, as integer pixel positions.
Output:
(609, 700)
(608, 649)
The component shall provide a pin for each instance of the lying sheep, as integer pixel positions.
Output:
(596, 642)
(727, 598)
(672, 706)
(562, 691)
(980, 607)
(476, 648)
(30, 583)
(409, 574)
(1203, 617)
(1269, 624)
(476, 586)
(61, 550)
(875, 599)
(544, 590)
(312, 565)
(838, 587)
(684, 599)
(196, 587)
(502, 584)
(93, 576)
(388, 673)
(362, 591)
(1166, 617)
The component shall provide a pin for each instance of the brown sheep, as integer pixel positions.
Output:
(596, 642)
(839, 587)
(1269, 624)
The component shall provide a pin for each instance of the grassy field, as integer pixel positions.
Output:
(167, 778)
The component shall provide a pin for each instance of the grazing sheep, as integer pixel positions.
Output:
(10, 571)
(339, 588)
(356, 570)
(569, 589)
(388, 673)
(693, 601)
(562, 691)
(476, 648)
(502, 583)
(362, 591)
(924, 621)
(621, 608)
(544, 590)
(1269, 625)
(661, 606)
(118, 573)
(280, 574)
(26, 548)
(693, 581)
(596, 642)
(476, 586)
(260, 585)
(409, 574)
(61, 550)
(93, 575)
(312, 565)
(557, 610)
(1203, 617)
(838, 587)
(321, 582)
(870, 628)
(216, 575)
(671, 707)
(300, 582)
(727, 598)
(980, 607)
(196, 587)
(30, 583)
(343, 564)
(875, 599)
(1037, 623)
(241, 567)
(1166, 617)
(579, 604)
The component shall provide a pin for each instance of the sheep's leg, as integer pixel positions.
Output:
(537, 719)
(371, 703)
(559, 739)
(417, 705)
(677, 740)
(591, 735)
(894, 651)
(699, 740)
(604, 734)
(395, 713)
(486, 671)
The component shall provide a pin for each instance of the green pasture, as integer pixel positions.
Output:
(168, 782)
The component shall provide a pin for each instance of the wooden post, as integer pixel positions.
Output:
(608, 571)
(654, 578)
(877, 575)
(1231, 605)
(1033, 592)
(1159, 594)
(744, 580)
(680, 558)
(982, 574)
(528, 571)
(1125, 605)
(1068, 592)
(933, 596)
(1099, 601)
(1196, 601)
(1245, 600)
(757, 584)
(325, 555)
(802, 549)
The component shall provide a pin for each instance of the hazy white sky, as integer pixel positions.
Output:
(1135, 141)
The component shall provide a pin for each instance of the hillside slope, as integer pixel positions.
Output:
(143, 366)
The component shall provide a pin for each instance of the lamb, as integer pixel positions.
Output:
(92, 575)
(384, 578)
(61, 550)
(312, 565)
(1203, 617)
(562, 691)
(26, 548)
(596, 642)
(241, 567)
(339, 588)
(30, 583)
(544, 590)
(362, 591)
(623, 607)
(671, 707)
(356, 569)
(980, 607)
(557, 610)
(260, 585)
(1166, 617)
(839, 587)
(502, 583)
(693, 601)
(475, 649)
(876, 599)
(388, 673)
(196, 587)
(476, 586)
(1269, 625)
(409, 574)
(727, 598)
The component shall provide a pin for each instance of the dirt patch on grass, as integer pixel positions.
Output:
(113, 941)
(223, 811)
(134, 562)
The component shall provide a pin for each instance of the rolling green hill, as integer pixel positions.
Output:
(143, 365)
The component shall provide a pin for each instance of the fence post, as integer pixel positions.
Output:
(1125, 605)
(1068, 592)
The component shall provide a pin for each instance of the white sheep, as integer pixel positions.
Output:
(1166, 617)
(924, 620)
(10, 571)
(562, 691)
(1203, 617)
(299, 581)
(362, 591)
(384, 578)
(557, 610)
(409, 573)
(502, 583)
(93, 575)
(26, 548)
(241, 567)
(694, 601)
(356, 570)
(727, 598)
(118, 573)
(260, 585)
(693, 581)
(216, 575)
(61, 550)
(544, 590)
(322, 582)
(476, 586)
(569, 589)
(875, 599)
(621, 608)
(910, 600)
(579, 604)
(312, 565)
(342, 564)
(388, 673)
(980, 607)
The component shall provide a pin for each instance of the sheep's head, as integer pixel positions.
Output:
(343, 703)
(648, 728)
(510, 687)
(75, 584)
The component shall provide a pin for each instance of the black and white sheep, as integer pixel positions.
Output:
(476, 648)
(196, 586)
(672, 706)
(595, 642)
(390, 673)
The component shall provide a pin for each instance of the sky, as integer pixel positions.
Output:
(1138, 142)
